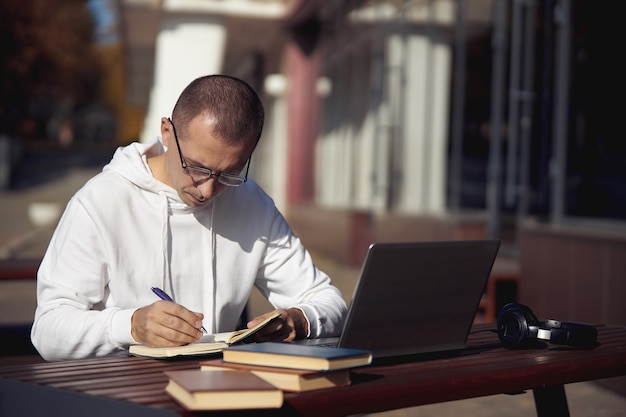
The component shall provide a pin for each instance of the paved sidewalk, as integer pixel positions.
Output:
(22, 238)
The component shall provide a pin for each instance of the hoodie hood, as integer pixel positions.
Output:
(131, 163)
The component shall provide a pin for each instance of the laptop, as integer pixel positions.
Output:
(416, 298)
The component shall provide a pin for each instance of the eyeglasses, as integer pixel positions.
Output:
(202, 174)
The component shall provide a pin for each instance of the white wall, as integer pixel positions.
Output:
(391, 155)
(187, 47)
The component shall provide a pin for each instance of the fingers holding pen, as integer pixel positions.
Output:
(165, 323)
(164, 296)
(180, 320)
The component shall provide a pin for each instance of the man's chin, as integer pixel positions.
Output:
(196, 202)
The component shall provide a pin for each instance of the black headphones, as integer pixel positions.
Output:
(518, 327)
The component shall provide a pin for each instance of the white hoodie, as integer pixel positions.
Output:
(125, 232)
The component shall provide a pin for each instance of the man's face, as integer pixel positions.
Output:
(200, 147)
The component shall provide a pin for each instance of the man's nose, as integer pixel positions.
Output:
(208, 187)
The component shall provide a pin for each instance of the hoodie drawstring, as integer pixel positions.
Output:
(167, 284)
(213, 265)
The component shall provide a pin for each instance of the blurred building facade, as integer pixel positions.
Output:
(422, 120)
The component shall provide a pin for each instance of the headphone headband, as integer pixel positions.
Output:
(519, 327)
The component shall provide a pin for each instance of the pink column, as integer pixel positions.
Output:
(302, 121)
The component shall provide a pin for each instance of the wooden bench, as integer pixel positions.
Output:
(135, 386)
(18, 269)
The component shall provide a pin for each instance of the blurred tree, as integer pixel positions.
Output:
(47, 63)
(113, 90)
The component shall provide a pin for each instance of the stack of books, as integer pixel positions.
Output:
(293, 367)
(255, 375)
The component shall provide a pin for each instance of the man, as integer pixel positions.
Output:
(179, 214)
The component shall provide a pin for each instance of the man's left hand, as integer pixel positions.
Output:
(290, 326)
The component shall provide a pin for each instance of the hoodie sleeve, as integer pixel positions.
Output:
(289, 278)
(70, 321)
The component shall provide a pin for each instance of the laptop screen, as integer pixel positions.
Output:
(420, 297)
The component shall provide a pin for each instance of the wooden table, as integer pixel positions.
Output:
(133, 386)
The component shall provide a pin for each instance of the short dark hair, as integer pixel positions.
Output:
(232, 102)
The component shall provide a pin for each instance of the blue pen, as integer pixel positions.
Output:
(163, 296)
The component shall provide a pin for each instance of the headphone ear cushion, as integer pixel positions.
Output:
(514, 326)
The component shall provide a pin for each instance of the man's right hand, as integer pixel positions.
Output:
(165, 323)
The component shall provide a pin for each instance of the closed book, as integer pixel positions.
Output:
(208, 344)
(294, 356)
(294, 380)
(198, 390)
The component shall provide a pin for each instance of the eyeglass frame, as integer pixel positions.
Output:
(209, 172)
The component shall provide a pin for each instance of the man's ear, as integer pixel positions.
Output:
(166, 130)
